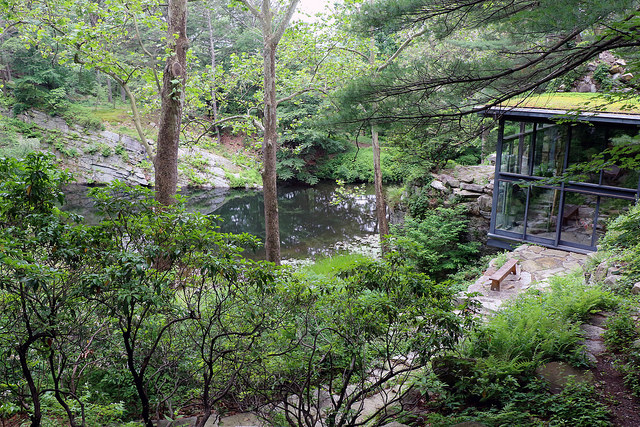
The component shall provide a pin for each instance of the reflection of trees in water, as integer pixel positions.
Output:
(308, 220)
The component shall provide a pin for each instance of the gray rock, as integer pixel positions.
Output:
(395, 424)
(557, 374)
(607, 57)
(491, 159)
(439, 186)
(111, 136)
(594, 348)
(467, 194)
(450, 181)
(636, 289)
(472, 187)
(484, 203)
(592, 332)
(616, 69)
(585, 87)
(626, 77)
(621, 62)
(600, 272)
(612, 280)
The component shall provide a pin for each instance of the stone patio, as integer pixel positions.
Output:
(536, 265)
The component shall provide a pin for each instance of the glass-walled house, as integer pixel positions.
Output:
(532, 145)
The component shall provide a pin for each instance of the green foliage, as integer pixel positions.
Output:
(601, 75)
(194, 177)
(630, 368)
(333, 265)
(541, 326)
(565, 83)
(122, 288)
(197, 161)
(355, 166)
(428, 149)
(354, 324)
(83, 116)
(305, 139)
(623, 241)
(621, 331)
(576, 405)
(530, 404)
(621, 337)
(244, 178)
(19, 149)
(421, 203)
(435, 242)
(494, 381)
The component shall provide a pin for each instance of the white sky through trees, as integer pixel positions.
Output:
(310, 7)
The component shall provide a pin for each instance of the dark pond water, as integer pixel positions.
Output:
(310, 224)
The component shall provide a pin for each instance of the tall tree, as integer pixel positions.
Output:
(172, 95)
(378, 61)
(273, 25)
(122, 40)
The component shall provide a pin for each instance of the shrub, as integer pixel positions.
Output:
(435, 243)
(577, 405)
(542, 326)
(621, 332)
(357, 166)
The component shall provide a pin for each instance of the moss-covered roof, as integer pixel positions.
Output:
(578, 103)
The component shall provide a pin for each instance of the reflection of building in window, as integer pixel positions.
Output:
(569, 214)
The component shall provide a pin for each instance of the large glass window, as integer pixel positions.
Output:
(586, 142)
(516, 149)
(510, 210)
(570, 214)
(577, 218)
(548, 159)
(617, 176)
(543, 211)
(608, 209)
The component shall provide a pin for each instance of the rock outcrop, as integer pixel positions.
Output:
(471, 186)
(102, 156)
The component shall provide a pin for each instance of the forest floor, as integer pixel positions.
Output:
(623, 405)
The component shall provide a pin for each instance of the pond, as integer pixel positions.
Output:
(312, 222)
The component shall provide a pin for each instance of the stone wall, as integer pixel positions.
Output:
(471, 186)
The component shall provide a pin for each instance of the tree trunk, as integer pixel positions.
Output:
(270, 39)
(138, 377)
(214, 104)
(381, 205)
(269, 149)
(109, 93)
(172, 96)
(23, 351)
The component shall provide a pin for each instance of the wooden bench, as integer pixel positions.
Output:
(497, 277)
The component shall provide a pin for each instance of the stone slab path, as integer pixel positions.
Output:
(536, 265)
